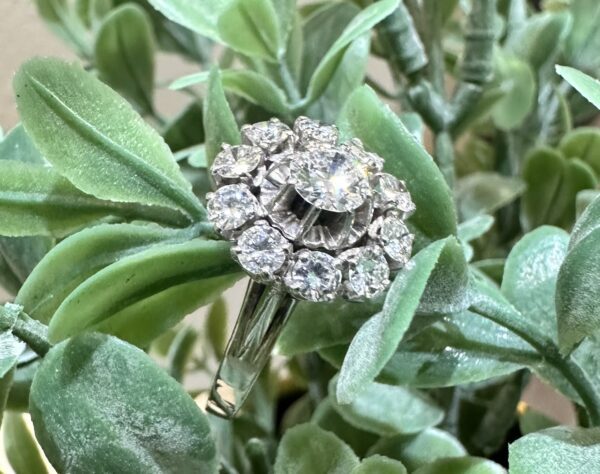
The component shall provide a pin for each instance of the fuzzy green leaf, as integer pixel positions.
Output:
(124, 54)
(388, 410)
(486, 192)
(250, 85)
(20, 446)
(80, 256)
(563, 449)
(583, 40)
(380, 465)
(517, 80)
(200, 16)
(589, 221)
(86, 400)
(251, 28)
(219, 123)
(93, 137)
(583, 143)
(36, 200)
(17, 146)
(577, 292)
(308, 449)
(466, 465)
(530, 276)
(359, 25)
(587, 86)
(135, 278)
(377, 339)
(367, 118)
(421, 449)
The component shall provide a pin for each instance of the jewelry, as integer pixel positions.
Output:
(310, 219)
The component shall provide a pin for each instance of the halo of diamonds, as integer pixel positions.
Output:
(319, 218)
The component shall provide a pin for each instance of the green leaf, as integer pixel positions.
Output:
(65, 23)
(313, 326)
(530, 276)
(583, 200)
(17, 146)
(552, 200)
(124, 53)
(349, 75)
(518, 83)
(540, 38)
(359, 25)
(388, 410)
(5, 388)
(460, 348)
(200, 16)
(36, 200)
(583, 41)
(82, 255)
(587, 86)
(577, 292)
(18, 398)
(421, 449)
(308, 449)
(252, 86)
(377, 339)
(486, 192)
(186, 130)
(475, 227)
(589, 220)
(251, 28)
(466, 465)
(136, 278)
(562, 449)
(583, 143)
(327, 418)
(216, 326)
(367, 118)
(320, 31)
(8, 280)
(21, 448)
(219, 123)
(70, 114)
(86, 401)
(380, 465)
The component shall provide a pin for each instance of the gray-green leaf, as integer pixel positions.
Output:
(587, 86)
(95, 139)
(86, 400)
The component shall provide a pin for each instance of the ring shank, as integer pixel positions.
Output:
(263, 316)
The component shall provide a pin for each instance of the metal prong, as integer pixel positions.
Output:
(308, 219)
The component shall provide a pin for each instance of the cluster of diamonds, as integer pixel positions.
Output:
(318, 217)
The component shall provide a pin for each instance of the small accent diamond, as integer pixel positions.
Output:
(396, 239)
(391, 192)
(232, 206)
(262, 250)
(330, 179)
(370, 162)
(366, 272)
(273, 136)
(313, 276)
(312, 133)
(237, 161)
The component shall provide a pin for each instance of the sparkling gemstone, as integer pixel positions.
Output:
(262, 250)
(330, 179)
(366, 272)
(390, 191)
(396, 239)
(273, 136)
(370, 162)
(313, 276)
(232, 206)
(237, 161)
(312, 133)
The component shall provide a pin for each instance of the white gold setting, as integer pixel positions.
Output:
(313, 217)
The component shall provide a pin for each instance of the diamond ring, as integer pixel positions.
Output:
(310, 218)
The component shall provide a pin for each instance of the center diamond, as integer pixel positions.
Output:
(330, 179)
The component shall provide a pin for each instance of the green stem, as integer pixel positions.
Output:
(433, 14)
(30, 331)
(288, 82)
(567, 366)
(444, 155)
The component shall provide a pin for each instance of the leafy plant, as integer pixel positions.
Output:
(105, 247)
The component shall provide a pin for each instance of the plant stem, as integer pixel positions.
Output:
(444, 154)
(30, 331)
(567, 366)
(288, 82)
